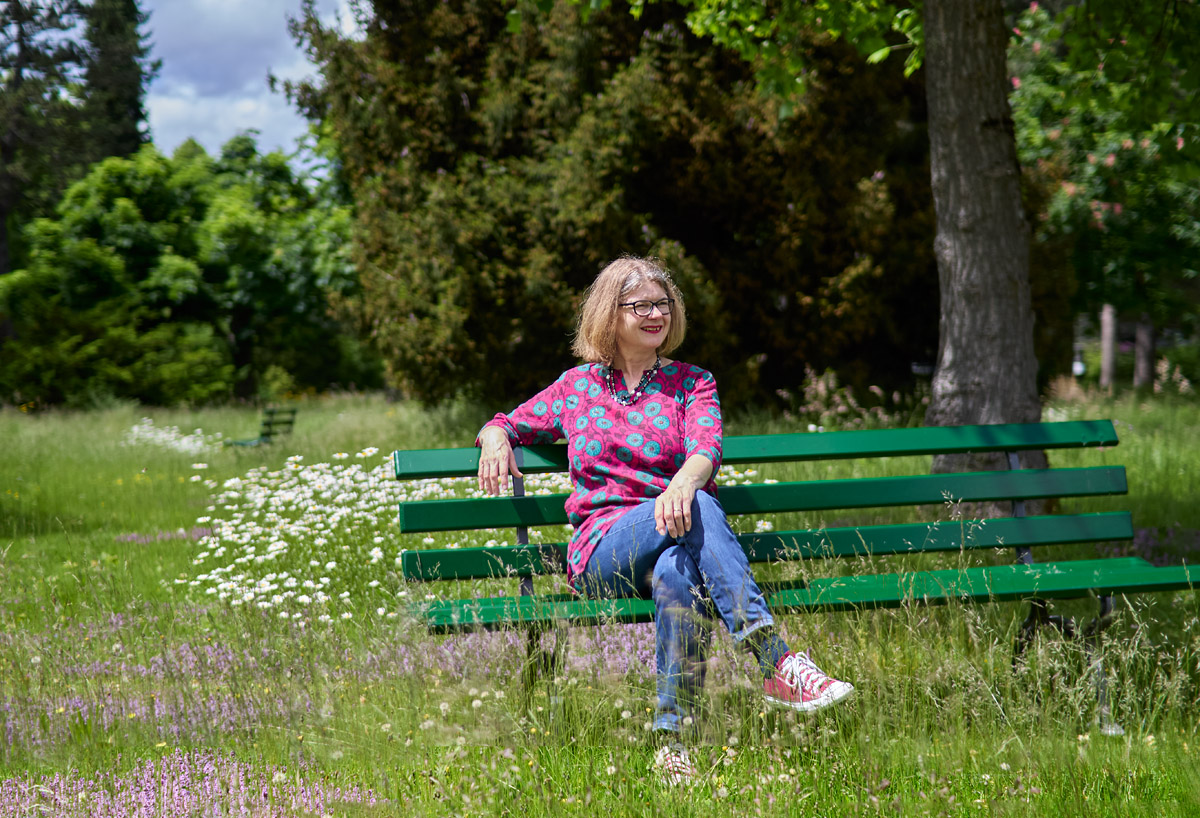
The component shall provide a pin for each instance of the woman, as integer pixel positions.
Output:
(644, 435)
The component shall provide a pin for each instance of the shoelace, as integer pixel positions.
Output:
(676, 767)
(802, 669)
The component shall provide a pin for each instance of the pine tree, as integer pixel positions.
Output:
(38, 62)
(117, 73)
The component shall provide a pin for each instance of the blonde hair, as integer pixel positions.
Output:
(596, 325)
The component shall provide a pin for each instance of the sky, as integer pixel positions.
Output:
(216, 55)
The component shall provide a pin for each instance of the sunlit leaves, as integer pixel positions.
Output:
(180, 279)
(1120, 186)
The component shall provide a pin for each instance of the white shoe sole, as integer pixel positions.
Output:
(835, 693)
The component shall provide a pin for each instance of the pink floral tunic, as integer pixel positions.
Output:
(620, 455)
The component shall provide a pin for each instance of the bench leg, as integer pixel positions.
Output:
(556, 660)
(531, 668)
(538, 660)
(1091, 641)
(533, 659)
(1039, 617)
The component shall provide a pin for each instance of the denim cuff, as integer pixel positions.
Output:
(668, 723)
(741, 635)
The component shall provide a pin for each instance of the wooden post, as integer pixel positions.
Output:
(1108, 345)
(1143, 353)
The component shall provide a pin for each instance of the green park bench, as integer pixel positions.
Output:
(1022, 579)
(277, 421)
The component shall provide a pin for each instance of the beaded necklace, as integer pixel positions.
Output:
(632, 397)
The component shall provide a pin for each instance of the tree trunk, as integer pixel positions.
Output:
(1108, 346)
(986, 369)
(5, 263)
(1143, 353)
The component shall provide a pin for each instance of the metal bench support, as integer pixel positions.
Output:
(538, 661)
(1040, 616)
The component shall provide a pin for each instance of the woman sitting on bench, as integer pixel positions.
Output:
(644, 434)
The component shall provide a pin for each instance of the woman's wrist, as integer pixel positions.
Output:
(492, 433)
(697, 469)
(689, 482)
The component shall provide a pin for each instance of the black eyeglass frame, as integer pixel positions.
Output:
(670, 302)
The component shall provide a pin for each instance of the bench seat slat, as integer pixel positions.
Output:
(848, 541)
(812, 495)
(741, 449)
(1049, 580)
(1058, 580)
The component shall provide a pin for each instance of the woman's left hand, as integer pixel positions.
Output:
(673, 508)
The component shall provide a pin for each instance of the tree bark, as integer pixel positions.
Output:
(1108, 346)
(986, 369)
(1143, 353)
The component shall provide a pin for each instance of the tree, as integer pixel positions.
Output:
(272, 253)
(38, 65)
(1119, 176)
(116, 74)
(92, 312)
(180, 280)
(495, 168)
(986, 370)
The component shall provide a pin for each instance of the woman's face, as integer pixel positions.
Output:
(637, 334)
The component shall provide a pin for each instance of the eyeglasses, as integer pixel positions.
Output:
(646, 308)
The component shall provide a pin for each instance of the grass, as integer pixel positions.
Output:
(122, 682)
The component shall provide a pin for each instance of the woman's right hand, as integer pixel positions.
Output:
(496, 461)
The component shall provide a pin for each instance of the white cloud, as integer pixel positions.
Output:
(216, 55)
(214, 120)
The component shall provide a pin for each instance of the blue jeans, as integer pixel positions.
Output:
(688, 577)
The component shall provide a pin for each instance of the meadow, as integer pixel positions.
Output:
(188, 628)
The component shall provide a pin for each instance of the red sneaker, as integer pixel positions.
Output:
(801, 685)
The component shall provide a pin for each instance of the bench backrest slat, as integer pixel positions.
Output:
(813, 495)
(741, 449)
(850, 541)
(277, 421)
(1010, 437)
(944, 535)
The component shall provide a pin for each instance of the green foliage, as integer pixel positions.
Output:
(82, 335)
(1118, 201)
(1142, 58)
(775, 38)
(179, 281)
(497, 167)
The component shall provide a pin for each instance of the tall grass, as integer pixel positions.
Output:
(117, 681)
